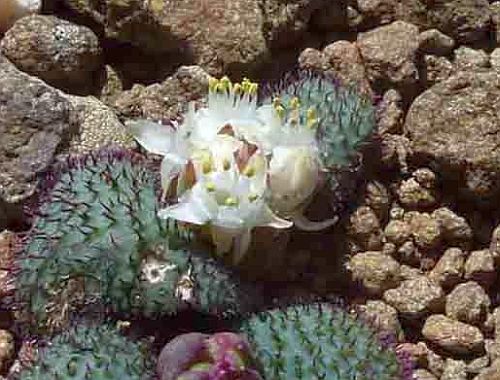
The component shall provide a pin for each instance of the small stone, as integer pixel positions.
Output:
(412, 195)
(415, 298)
(468, 303)
(437, 69)
(425, 177)
(6, 257)
(397, 231)
(425, 229)
(390, 113)
(63, 54)
(449, 270)
(377, 198)
(492, 349)
(383, 316)
(495, 244)
(490, 373)
(417, 351)
(495, 59)
(365, 229)
(468, 58)
(453, 336)
(409, 273)
(432, 41)
(423, 374)
(480, 267)
(454, 370)
(475, 366)
(13, 10)
(455, 229)
(376, 271)
(496, 323)
(6, 348)
(495, 20)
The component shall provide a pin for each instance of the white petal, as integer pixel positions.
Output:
(184, 212)
(171, 166)
(307, 225)
(241, 245)
(155, 138)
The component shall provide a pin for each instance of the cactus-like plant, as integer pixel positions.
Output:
(319, 341)
(196, 356)
(89, 352)
(97, 239)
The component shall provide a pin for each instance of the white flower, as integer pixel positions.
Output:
(293, 177)
(231, 202)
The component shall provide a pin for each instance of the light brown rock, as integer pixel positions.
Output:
(449, 270)
(453, 336)
(480, 267)
(468, 303)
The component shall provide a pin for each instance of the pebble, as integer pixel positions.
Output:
(453, 336)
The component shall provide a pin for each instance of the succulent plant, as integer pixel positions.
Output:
(319, 341)
(97, 240)
(196, 356)
(89, 352)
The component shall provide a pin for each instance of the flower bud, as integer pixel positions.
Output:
(293, 177)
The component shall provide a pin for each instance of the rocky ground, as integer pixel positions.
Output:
(423, 241)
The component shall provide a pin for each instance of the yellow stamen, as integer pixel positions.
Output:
(225, 84)
(276, 102)
(312, 119)
(230, 201)
(210, 187)
(253, 88)
(253, 197)
(237, 88)
(212, 84)
(294, 103)
(226, 165)
(249, 171)
(280, 110)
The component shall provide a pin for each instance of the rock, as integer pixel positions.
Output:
(286, 22)
(495, 59)
(34, 125)
(414, 196)
(7, 241)
(475, 366)
(112, 88)
(453, 336)
(495, 20)
(98, 125)
(495, 244)
(390, 115)
(409, 253)
(469, 149)
(365, 229)
(423, 374)
(436, 69)
(7, 349)
(163, 101)
(464, 20)
(410, 273)
(454, 370)
(480, 267)
(454, 229)
(374, 13)
(397, 231)
(416, 297)
(468, 303)
(65, 55)
(383, 317)
(490, 373)
(394, 150)
(467, 58)
(377, 197)
(449, 270)
(341, 59)
(432, 41)
(13, 10)
(425, 229)
(219, 35)
(377, 272)
(390, 56)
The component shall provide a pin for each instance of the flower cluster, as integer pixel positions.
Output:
(238, 165)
